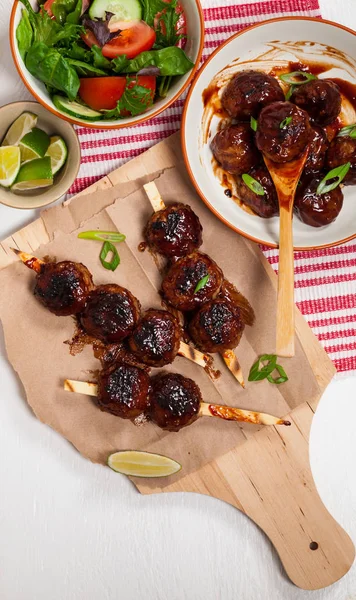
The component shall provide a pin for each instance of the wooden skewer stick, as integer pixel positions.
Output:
(228, 413)
(32, 262)
(193, 354)
(229, 356)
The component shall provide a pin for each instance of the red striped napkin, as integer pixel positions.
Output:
(325, 279)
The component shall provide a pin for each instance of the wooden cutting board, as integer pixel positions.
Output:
(268, 477)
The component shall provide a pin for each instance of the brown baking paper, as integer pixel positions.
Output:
(34, 337)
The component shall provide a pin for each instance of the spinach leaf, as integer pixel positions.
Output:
(74, 16)
(24, 34)
(99, 60)
(48, 65)
(134, 101)
(85, 70)
(77, 53)
(166, 31)
(152, 7)
(48, 30)
(163, 86)
(170, 61)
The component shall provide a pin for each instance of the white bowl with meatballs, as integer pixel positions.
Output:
(270, 91)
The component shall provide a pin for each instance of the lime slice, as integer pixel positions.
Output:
(23, 125)
(34, 145)
(57, 151)
(142, 464)
(34, 174)
(10, 161)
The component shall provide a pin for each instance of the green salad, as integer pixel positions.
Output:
(104, 59)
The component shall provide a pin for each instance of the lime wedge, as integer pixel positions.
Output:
(9, 164)
(34, 174)
(57, 151)
(34, 145)
(23, 125)
(142, 464)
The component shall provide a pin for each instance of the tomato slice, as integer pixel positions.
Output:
(104, 92)
(47, 7)
(135, 37)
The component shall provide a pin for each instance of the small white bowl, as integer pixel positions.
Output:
(194, 49)
(246, 46)
(53, 126)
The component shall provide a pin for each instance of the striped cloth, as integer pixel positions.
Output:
(325, 280)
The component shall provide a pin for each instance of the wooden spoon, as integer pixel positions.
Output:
(285, 177)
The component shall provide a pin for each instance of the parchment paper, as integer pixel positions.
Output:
(34, 337)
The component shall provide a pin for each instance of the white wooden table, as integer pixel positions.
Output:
(70, 530)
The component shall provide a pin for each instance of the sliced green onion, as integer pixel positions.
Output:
(290, 92)
(349, 130)
(103, 236)
(253, 123)
(293, 78)
(201, 283)
(257, 373)
(287, 121)
(282, 376)
(253, 184)
(336, 174)
(115, 259)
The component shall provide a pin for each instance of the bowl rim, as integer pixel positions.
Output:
(95, 124)
(184, 141)
(75, 137)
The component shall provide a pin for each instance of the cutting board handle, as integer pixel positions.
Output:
(272, 483)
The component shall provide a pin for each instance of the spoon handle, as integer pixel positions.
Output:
(285, 298)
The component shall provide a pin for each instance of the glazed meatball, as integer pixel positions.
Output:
(283, 131)
(320, 98)
(318, 147)
(248, 92)
(156, 339)
(174, 231)
(63, 287)
(217, 326)
(315, 209)
(234, 148)
(265, 206)
(180, 283)
(175, 401)
(111, 313)
(343, 150)
(124, 391)
(230, 293)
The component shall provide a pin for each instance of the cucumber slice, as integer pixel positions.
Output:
(124, 10)
(75, 109)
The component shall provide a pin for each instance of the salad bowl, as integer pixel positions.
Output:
(61, 105)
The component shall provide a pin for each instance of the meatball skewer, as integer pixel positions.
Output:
(173, 401)
(211, 290)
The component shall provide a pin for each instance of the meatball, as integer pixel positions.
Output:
(234, 148)
(283, 131)
(63, 287)
(174, 231)
(320, 98)
(248, 92)
(175, 401)
(156, 339)
(217, 326)
(315, 209)
(180, 283)
(111, 313)
(265, 206)
(318, 147)
(124, 391)
(343, 150)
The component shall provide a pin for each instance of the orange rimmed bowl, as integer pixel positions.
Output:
(194, 48)
(264, 46)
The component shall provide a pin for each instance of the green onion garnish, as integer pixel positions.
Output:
(290, 92)
(287, 121)
(103, 236)
(295, 77)
(257, 373)
(201, 283)
(253, 124)
(115, 259)
(253, 184)
(349, 130)
(282, 376)
(335, 176)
